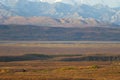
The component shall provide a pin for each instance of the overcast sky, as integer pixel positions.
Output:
(111, 3)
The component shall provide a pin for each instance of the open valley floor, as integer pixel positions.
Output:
(59, 61)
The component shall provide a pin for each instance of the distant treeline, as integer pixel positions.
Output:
(94, 58)
(29, 57)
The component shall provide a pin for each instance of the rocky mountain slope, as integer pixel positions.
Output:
(22, 11)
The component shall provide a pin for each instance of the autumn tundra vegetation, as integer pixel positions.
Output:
(45, 61)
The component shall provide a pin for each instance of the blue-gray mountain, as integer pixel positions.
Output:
(43, 33)
(57, 12)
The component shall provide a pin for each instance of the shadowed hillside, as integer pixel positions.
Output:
(27, 32)
(30, 57)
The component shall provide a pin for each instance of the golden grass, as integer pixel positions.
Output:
(54, 70)
(28, 48)
(62, 71)
(62, 45)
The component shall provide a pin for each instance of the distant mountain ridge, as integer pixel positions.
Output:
(36, 20)
(58, 13)
(53, 22)
(43, 33)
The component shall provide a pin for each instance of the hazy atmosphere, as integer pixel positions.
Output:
(59, 39)
(111, 3)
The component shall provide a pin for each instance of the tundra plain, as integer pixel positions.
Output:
(59, 61)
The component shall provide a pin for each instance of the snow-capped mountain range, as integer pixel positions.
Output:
(63, 11)
(110, 3)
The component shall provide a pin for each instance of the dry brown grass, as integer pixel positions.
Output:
(20, 49)
(38, 70)
(56, 70)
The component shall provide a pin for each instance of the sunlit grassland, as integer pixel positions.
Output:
(60, 71)
(61, 48)
(62, 45)
(33, 61)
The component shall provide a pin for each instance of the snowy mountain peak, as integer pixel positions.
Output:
(111, 3)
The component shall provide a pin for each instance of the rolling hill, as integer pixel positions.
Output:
(27, 32)
(42, 20)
